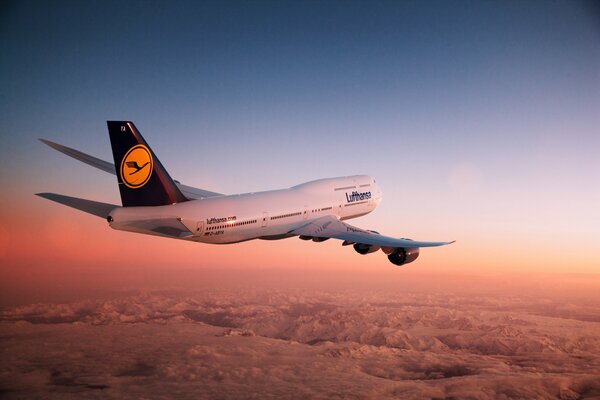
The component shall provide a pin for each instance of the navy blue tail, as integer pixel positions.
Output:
(143, 181)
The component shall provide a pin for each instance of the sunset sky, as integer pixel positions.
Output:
(479, 120)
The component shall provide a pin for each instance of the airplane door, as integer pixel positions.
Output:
(305, 214)
(265, 219)
(199, 228)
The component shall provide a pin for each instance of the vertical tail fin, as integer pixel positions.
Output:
(143, 181)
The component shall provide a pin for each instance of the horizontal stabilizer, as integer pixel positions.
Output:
(91, 207)
(195, 193)
(189, 191)
(86, 158)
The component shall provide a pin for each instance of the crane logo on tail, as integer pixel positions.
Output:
(136, 167)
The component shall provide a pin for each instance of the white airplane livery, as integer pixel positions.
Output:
(155, 204)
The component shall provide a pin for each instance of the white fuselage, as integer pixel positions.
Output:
(262, 215)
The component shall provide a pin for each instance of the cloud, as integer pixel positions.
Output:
(301, 344)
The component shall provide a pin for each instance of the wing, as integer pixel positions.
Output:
(188, 191)
(331, 227)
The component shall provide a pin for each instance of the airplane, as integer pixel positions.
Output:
(155, 204)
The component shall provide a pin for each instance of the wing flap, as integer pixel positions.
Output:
(331, 227)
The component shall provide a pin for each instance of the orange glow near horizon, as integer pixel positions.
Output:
(65, 251)
(61, 236)
(46, 243)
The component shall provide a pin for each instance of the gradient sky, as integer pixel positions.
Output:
(479, 119)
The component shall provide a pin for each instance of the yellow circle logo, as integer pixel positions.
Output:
(136, 167)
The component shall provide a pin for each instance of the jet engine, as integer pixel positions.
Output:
(401, 256)
(365, 248)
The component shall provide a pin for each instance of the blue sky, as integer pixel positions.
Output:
(479, 119)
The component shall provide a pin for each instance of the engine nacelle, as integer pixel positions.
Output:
(365, 248)
(401, 256)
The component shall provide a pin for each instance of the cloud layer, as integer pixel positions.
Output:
(299, 344)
